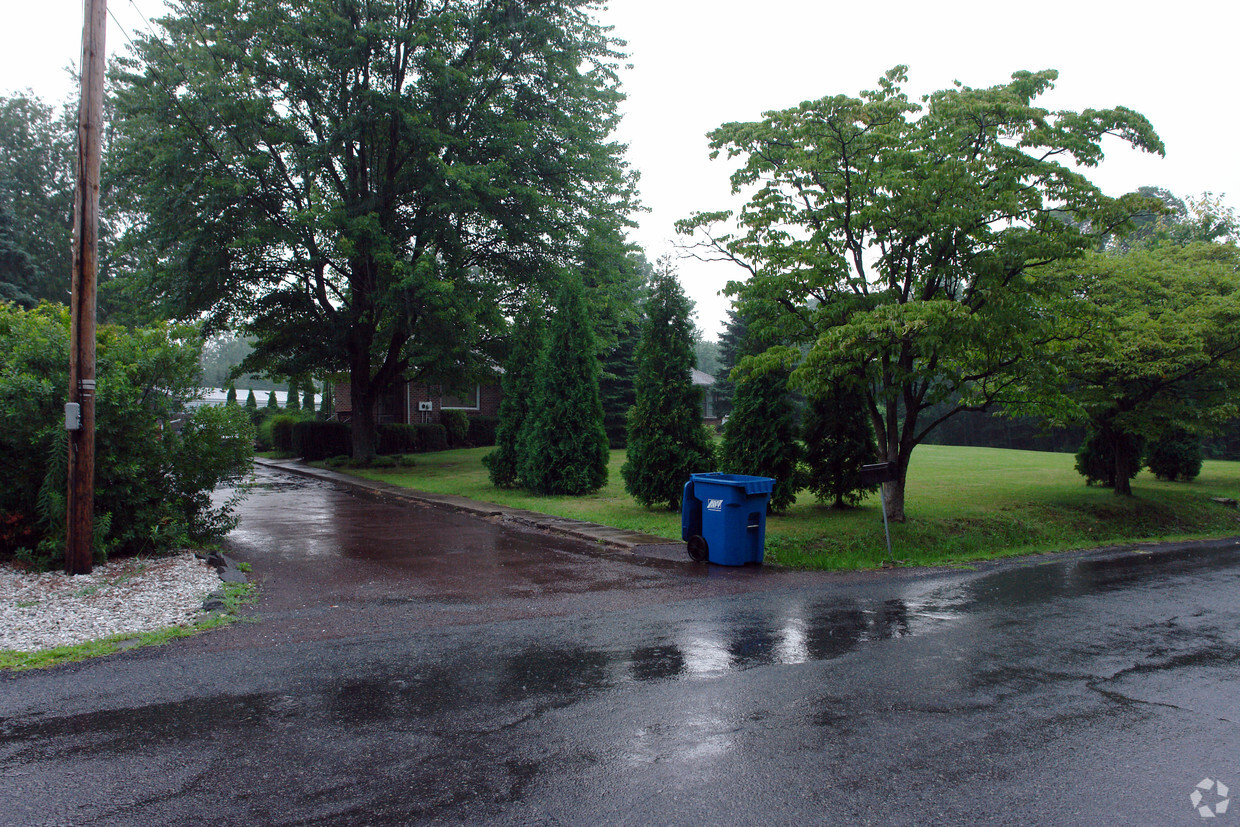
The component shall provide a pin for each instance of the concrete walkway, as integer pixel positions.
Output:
(615, 539)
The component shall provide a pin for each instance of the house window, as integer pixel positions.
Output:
(470, 402)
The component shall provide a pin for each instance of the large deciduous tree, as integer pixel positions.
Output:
(904, 240)
(36, 200)
(366, 186)
(1153, 347)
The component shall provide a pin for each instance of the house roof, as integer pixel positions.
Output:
(703, 379)
(218, 396)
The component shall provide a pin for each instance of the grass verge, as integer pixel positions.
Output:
(236, 596)
(963, 504)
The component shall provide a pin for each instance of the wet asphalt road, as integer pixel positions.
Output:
(416, 666)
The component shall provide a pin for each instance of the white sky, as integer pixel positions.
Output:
(700, 63)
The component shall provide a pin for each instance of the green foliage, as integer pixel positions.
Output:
(907, 239)
(456, 423)
(395, 438)
(230, 398)
(307, 399)
(616, 391)
(272, 404)
(482, 430)
(1110, 458)
(292, 402)
(282, 433)
(362, 187)
(520, 384)
(1152, 344)
(1176, 455)
(314, 440)
(839, 439)
(666, 441)
(151, 483)
(563, 445)
(215, 445)
(760, 438)
(251, 401)
(37, 163)
(730, 341)
(326, 408)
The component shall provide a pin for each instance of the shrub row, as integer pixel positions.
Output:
(482, 430)
(313, 440)
(412, 439)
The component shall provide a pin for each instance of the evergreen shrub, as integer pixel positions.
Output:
(1095, 461)
(666, 438)
(563, 446)
(456, 423)
(482, 430)
(313, 440)
(395, 438)
(1175, 456)
(281, 430)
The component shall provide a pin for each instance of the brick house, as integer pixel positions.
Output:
(414, 402)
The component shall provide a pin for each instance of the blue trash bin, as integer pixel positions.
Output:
(723, 517)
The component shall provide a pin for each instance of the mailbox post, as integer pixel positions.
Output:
(881, 473)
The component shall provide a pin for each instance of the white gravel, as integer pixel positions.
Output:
(40, 611)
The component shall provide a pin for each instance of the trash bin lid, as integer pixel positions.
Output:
(751, 485)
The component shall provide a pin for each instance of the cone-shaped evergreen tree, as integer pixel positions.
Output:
(231, 397)
(666, 439)
(307, 398)
(292, 403)
(729, 354)
(563, 445)
(328, 401)
(519, 386)
(839, 439)
(272, 403)
(251, 401)
(615, 384)
(760, 438)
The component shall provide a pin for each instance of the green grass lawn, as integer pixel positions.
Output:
(962, 504)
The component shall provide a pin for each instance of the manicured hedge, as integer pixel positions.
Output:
(432, 437)
(457, 425)
(482, 430)
(397, 439)
(282, 433)
(319, 440)
(409, 439)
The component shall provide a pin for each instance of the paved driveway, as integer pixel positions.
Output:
(416, 666)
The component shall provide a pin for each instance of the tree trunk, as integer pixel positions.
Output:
(1124, 462)
(895, 500)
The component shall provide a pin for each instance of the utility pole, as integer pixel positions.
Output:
(80, 412)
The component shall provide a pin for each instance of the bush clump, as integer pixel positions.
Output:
(482, 430)
(152, 481)
(421, 438)
(1175, 456)
(456, 423)
(313, 440)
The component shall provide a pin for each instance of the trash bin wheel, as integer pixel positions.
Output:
(698, 549)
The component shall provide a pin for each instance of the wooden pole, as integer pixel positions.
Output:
(81, 493)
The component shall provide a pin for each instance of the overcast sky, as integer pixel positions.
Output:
(700, 63)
